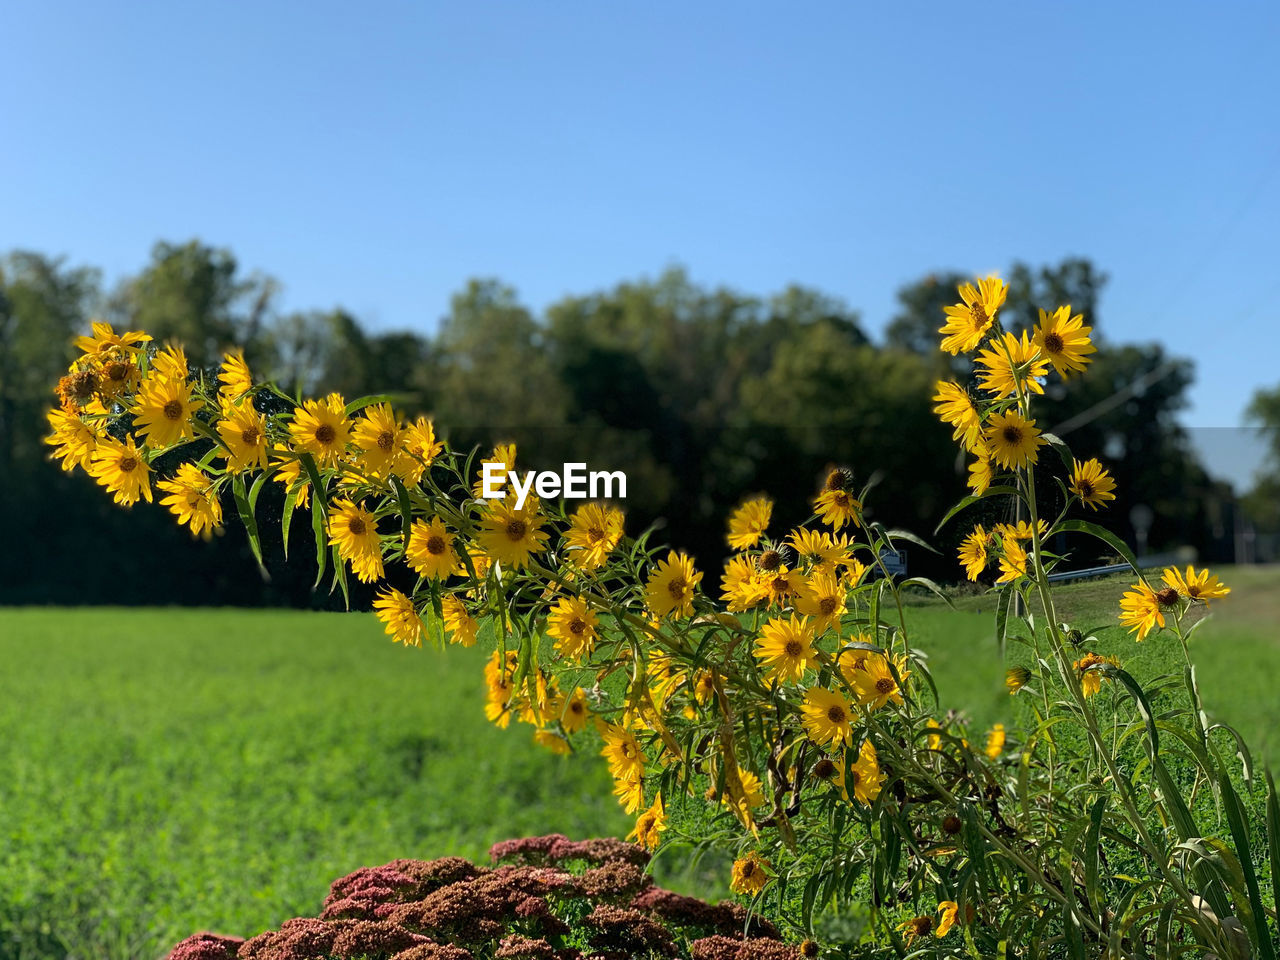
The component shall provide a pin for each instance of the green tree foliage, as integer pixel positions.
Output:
(702, 396)
(1263, 501)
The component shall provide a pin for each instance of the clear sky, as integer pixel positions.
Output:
(376, 155)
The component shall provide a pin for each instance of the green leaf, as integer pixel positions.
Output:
(1105, 535)
(286, 518)
(406, 512)
(1273, 838)
(930, 586)
(1259, 933)
(340, 577)
(1062, 450)
(996, 491)
(355, 406)
(1003, 602)
(910, 537)
(247, 518)
(1093, 853)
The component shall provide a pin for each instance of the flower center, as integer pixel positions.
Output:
(1012, 435)
(748, 869)
(793, 648)
(677, 587)
(435, 545)
(173, 410)
(578, 627)
(824, 769)
(770, 560)
(117, 371)
(1086, 489)
(979, 315)
(516, 530)
(1053, 342)
(595, 534)
(1167, 597)
(884, 685)
(325, 434)
(357, 526)
(576, 706)
(835, 713)
(385, 440)
(128, 464)
(250, 436)
(827, 606)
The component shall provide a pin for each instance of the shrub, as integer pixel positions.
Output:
(546, 898)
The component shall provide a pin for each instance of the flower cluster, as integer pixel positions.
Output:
(556, 900)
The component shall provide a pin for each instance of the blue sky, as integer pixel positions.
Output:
(376, 155)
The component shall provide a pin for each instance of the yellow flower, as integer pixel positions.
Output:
(955, 407)
(379, 439)
(981, 473)
(595, 530)
(916, 927)
(354, 531)
(105, 340)
(1142, 609)
(1013, 561)
(1020, 530)
(622, 751)
(235, 377)
(503, 454)
(933, 739)
(750, 874)
(836, 507)
(191, 500)
(509, 536)
(973, 552)
(245, 433)
(171, 363)
(1199, 586)
(73, 439)
(819, 551)
(968, 322)
(572, 624)
(1013, 366)
(630, 794)
(785, 648)
(867, 777)
(1012, 440)
(1091, 483)
(649, 824)
(552, 741)
(461, 626)
(995, 741)
(949, 909)
(741, 585)
(400, 615)
(782, 584)
(1015, 678)
(823, 598)
(430, 551)
(1091, 679)
(162, 411)
(321, 428)
(294, 478)
(825, 715)
(669, 591)
(120, 468)
(118, 374)
(748, 523)
(576, 713)
(1064, 340)
(874, 683)
(418, 448)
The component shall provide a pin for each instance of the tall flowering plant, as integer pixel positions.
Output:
(787, 716)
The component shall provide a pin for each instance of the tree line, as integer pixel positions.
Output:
(701, 395)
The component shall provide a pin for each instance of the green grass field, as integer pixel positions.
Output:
(165, 771)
